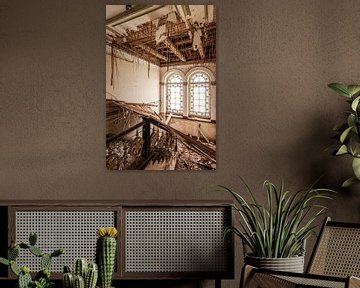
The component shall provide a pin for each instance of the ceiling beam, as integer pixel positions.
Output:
(178, 63)
(140, 36)
(184, 11)
(174, 30)
(134, 52)
(135, 12)
(112, 30)
(174, 49)
(152, 52)
(198, 43)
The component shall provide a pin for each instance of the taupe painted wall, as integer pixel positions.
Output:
(275, 113)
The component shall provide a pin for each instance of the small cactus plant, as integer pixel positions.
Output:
(25, 279)
(106, 254)
(68, 278)
(42, 278)
(79, 282)
(91, 276)
(81, 267)
(85, 275)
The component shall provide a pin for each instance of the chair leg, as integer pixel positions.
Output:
(246, 273)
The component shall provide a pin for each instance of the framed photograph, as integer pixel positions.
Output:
(161, 87)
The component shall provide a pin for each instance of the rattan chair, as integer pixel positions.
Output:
(335, 262)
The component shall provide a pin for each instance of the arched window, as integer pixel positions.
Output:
(175, 94)
(199, 95)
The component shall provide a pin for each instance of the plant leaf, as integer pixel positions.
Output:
(351, 120)
(356, 167)
(354, 144)
(342, 150)
(353, 89)
(14, 268)
(355, 103)
(345, 134)
(340, 88)
(4, 261)
(349, 182)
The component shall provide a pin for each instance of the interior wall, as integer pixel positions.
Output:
(275, 112)
(134, 81)
(192, 127)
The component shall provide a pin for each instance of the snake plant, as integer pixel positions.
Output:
(279, 228)
(348, 132)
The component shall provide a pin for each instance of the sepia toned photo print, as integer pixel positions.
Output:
(161, 87)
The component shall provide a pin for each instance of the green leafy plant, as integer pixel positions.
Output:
(348, 132)
(42, 278)
(279, 229)
(42, 283)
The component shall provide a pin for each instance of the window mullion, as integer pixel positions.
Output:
(186, 99)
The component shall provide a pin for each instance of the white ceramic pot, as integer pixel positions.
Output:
(291, 264)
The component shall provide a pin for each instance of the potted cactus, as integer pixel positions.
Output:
(106, 254)
(42, 278)
(84, 275)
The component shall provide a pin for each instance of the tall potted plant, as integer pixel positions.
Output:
(348, 132)
(275, 233)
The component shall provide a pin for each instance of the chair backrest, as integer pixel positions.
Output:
(337, 251)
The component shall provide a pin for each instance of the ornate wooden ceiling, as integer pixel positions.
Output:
(165, 35)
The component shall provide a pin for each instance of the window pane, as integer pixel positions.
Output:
(199, 95)
(174, 95)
